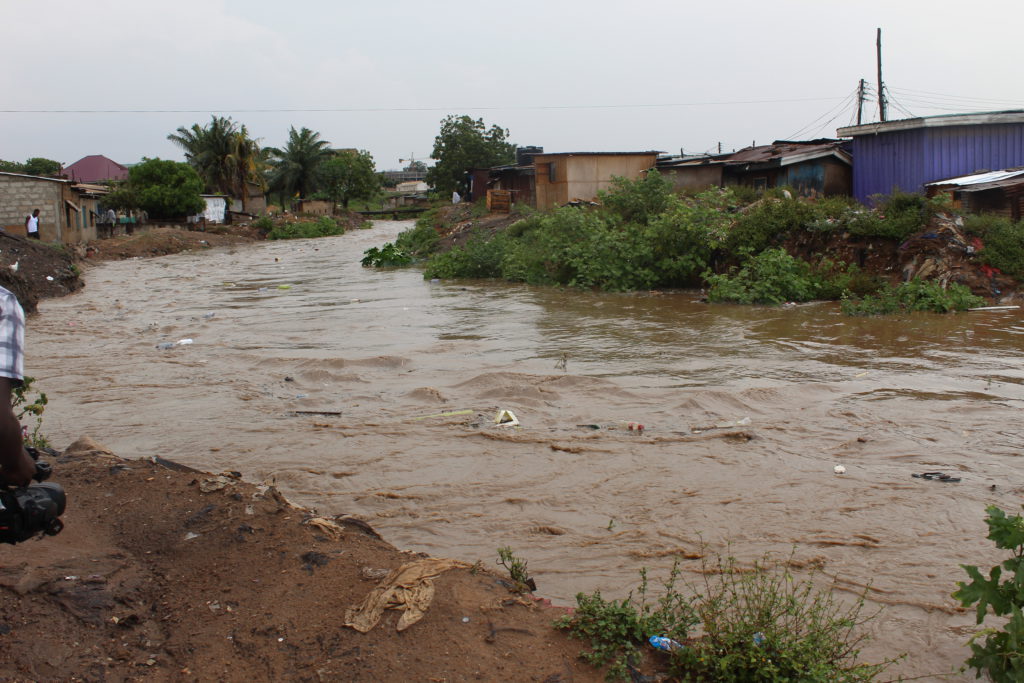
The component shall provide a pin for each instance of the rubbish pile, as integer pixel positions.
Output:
(943, 252)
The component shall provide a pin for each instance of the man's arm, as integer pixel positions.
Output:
(17, 466)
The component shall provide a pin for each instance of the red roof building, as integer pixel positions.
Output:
(95, 168)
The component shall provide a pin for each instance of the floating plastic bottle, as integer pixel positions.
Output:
(665, 644)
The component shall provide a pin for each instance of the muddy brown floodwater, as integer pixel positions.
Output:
(332, 379)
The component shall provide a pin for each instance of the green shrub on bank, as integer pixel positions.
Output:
(325, 226)
(765, 625)
(771, 277)
(916, 295)
(479, 257)
(615, 630)
(758, 624)
(1003, 242)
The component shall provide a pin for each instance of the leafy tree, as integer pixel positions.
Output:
(349, 175)
(297, 164)
(416, 166)
(223, 155)
(34, 166)
(166, 188)
(464, 143)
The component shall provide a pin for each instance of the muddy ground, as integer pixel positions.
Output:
(165, 573)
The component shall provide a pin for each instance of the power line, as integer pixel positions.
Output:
(838, 109)
(411, 109)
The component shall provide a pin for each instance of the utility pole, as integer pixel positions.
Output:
(719, 147)
(860, 101)
(881, 85)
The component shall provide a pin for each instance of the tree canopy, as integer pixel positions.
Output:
(166, 189)
(464, 143)
(296, 164)
(348, 175)
(223, 155)
(34, 166)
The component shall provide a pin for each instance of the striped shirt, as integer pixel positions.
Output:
(12, 337)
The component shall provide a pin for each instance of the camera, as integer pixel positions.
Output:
(33, 510)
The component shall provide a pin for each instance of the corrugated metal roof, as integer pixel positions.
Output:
(781, 152)
(979, 178)
(35, 177)
(942, 120)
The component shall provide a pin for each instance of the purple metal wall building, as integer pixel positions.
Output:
(908, 153)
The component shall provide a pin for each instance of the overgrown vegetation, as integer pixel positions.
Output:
(1002, 242)
(325, 226)
(614, 630)
(1000, 655)
(755, 624)
(642, 235)
(915, 295)
(24, 405)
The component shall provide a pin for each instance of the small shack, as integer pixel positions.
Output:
(570, 176)
(810, 167)
(998, 192)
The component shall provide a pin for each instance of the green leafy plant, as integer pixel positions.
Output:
(388, 255)
(615, 629)
(264, 224)
(1001, 654)
(770, 277)
(516, 567)
(915, 295)
(763, 624)
(24, 405)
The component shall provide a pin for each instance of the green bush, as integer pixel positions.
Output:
(422, 239)
(768, 222)
(480, 257)
(770, 277)
(22, 406)
(1003, 242)
(614, 630)
(388, 255)
(916, 295)
(325, 226)
(638, 201)
(765, 625)
(264, 224)
(1001, 655)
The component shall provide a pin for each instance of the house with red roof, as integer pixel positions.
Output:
(95, 168)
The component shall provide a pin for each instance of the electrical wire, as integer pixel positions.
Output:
(837, 110)
(412, 109)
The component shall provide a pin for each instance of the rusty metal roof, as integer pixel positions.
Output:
(779, 153)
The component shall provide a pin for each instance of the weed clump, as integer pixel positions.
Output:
(739, 625)
(325, 226)
(915, 295)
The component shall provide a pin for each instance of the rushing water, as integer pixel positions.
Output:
(746, 411)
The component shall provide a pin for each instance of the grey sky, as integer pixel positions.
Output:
(608, 63)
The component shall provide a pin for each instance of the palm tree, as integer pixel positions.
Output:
(247, 162)
(295, 166)
(208, 149)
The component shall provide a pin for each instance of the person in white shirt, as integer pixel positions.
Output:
(32, 225)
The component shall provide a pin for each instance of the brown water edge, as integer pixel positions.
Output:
(588, 508)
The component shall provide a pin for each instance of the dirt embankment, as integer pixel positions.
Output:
(166, 573)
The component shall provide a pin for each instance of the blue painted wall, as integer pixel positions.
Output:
(908, 159)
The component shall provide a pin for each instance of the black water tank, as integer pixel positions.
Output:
(524, 155)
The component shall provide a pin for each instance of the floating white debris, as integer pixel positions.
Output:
(506, 418)
(839, 469)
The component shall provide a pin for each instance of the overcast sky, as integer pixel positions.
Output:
(568, 75)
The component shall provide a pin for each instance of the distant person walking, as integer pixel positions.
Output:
(32, 225)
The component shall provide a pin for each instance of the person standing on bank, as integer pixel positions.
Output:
(16, 466)
(32, 225)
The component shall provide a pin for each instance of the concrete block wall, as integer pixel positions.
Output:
(19, 196)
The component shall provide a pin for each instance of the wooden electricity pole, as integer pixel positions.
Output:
(860, 101)
(881, 86)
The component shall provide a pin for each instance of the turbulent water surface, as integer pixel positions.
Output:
(746, 411)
